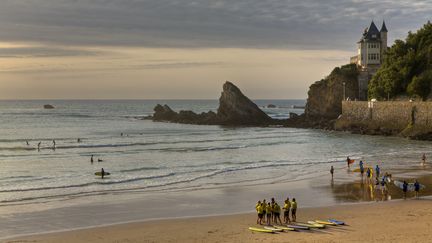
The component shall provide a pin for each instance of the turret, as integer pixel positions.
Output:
(383, 35)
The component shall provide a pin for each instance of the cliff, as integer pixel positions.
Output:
(325, 96)
(235, 109)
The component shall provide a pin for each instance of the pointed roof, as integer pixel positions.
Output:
(373, 32)
(383, 27)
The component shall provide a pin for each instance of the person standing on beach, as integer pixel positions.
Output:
(269, 213)
(348, 161)
(424, 159)
(39, 144)
(264, 206)
(332, 171)
(294, 210)
(91, 159)
(416, 188)
(286, 208)
(273, 205)
(54, 144)
(405, 189)
(102, 173)
(259, 212)
(377, 171)
(276, 211)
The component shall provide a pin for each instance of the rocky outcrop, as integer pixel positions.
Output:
(48, 106)
(235, 109)
(325, 96)
(324, 103)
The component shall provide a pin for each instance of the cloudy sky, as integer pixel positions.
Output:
(145, 49)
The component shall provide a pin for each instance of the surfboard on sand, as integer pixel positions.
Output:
(261, 230)
(411, 186)
(283, 228)
(100, 173)
(325, 222)
(273, 228)
(316, 225)
(295, 226)
(338, 222)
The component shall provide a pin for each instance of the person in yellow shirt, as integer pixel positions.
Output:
(294, 210)
(258, 209)
(269, 213)
(276, 212)
(286, 208)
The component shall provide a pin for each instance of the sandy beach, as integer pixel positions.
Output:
(393, 221)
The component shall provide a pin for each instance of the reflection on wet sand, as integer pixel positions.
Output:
(362, 190)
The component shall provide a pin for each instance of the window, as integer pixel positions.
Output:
(373, 45)
(373, 56)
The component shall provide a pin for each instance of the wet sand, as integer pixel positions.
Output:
(391, 221)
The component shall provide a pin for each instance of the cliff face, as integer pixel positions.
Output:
(235, 109)
(325, 96)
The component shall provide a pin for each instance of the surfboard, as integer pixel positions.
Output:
(351, 161)
(273, 229)
(316, 225)
(325, 222)
(283, 228)
(295, 226)
(338, 222)
(411, 186)
(261, 230)
(100, 174)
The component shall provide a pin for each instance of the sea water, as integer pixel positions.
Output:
(145, 155)
(160, 163)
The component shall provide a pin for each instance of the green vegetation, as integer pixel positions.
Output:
(406, 68)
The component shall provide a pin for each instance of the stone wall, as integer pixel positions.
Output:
(390, 114)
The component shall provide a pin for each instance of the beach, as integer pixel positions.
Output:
(393, 221)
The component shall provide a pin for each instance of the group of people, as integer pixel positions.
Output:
(269, 212)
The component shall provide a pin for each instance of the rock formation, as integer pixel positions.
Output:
(48, 106)
(235, 109)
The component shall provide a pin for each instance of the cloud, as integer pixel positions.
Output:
(307, 24)
(32, 52)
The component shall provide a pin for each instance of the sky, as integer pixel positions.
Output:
(184, 49)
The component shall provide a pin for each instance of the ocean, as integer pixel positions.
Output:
(151, 157)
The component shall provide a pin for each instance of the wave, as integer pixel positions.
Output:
(88, 184)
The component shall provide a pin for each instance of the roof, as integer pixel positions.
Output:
(371, 34)
(384, 27)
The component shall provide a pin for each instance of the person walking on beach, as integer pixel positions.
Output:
(91, 159)
(416, 188)
(276, 211)
(39, 144)
(348, 161)
(54, 144)
(286, 208)
(269, 213)
(332, 171)
(405, 189)
(294, 210)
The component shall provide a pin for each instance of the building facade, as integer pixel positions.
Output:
(370, 51)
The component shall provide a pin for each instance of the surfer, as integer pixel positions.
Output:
(331, 171)
(405, 188)
(286, 208)
(91, 159)
(424, 159)
(39, 144)
(54, 144)
(348, 161)
(102, 173)
(276, 212)
(293, 210)
(273, 205)
(79, 140)
(269, 213)
(258, 209)
(27, 143)
(416, 188)
(100, 160)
